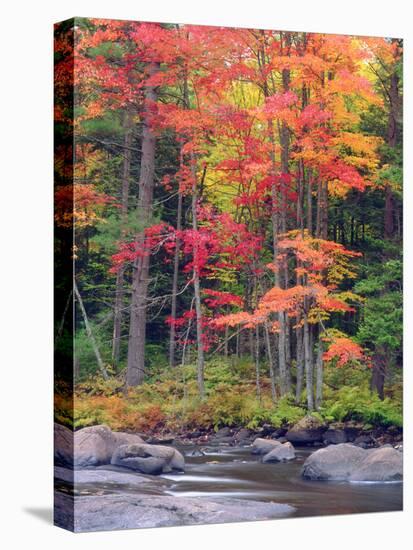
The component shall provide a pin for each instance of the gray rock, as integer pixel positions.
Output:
(148, 459)
(334, 436)
(336, 462)
(383, 464)
(127, 511)
(63, 445)
(243, 434)
(347, 462)
(223, 432)
(351, 432)
(263, 446)
(364, 441)
(308, 430)
(280, 453)
(93, 445)
(99, 476)
(279, 432)
(123, 438)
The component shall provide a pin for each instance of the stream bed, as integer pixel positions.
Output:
(233, 472)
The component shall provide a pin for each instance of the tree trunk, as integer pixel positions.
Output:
(197, 290)
(271, 362)
(300, 364)
(308, 362)
(319, 374)
(172, 343)
(378, 373)
(119, 289)
(392, 138)
(140, 277)
(90, 333)
(257, 362)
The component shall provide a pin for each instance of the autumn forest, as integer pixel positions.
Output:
(237, 226)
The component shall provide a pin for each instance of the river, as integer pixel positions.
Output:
(234, 472)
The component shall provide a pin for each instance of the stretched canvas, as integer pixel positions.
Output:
(228, 274)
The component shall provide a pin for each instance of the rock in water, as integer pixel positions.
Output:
(347, 462)
(91, 446)
(308, 430)
(280, 453)
(335, 462)
(383, 464)
(334, 436)
(107, 512)
(148, 459)
(263, 446)
(123, 438)
(101, 476)
(63, 445)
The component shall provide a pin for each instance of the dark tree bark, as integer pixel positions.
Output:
(308, 363)
(140, 277)
(319, 374)
(197, 291)
(119, 285)
(172, 343)
(300, 364)
(257, 362)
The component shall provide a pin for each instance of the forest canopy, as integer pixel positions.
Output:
(237, 224)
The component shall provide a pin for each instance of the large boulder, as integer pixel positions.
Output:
(348, 462)
(263, 446)
(383, 464)
(63, 446)
(336, 462)
(280, 453)
(124, 438)
(308, 430)
(91, 446)
(148, 459)
(127, 511)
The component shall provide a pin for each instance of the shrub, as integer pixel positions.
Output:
(354, 403)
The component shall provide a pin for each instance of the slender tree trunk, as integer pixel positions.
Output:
(90, 333)
(257, 362)
(119, 285)
(172, 343)
(226, 341)
(308, 362)
(140, 277)
(379, 373)
(197, 290)
(319, 374)
(392, 135)
(300, 364)
(284, 337)
(271, 362)
(310, 204)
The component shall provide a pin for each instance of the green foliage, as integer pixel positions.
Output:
(285, 412)
(382, 322)
(355, 403)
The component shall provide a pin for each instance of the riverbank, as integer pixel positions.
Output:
(109, 497)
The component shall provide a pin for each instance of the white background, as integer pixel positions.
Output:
(26, 270)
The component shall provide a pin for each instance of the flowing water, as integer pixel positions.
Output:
(234, 472)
